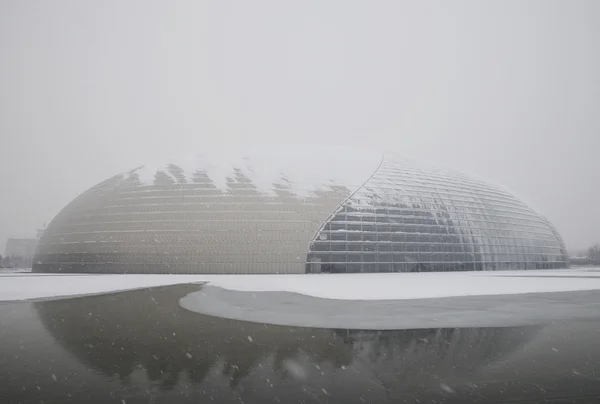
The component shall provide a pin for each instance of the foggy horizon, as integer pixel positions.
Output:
(507, 91)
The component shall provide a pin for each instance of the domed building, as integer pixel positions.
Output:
(289, 210)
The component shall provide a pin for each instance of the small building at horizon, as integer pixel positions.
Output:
(19, 252)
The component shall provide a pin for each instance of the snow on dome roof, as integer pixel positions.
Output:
(301, 168)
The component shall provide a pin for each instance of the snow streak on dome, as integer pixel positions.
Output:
(299, 169)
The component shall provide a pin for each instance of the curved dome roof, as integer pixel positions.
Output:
(293, 209)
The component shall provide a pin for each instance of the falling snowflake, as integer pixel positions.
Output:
(295, 369)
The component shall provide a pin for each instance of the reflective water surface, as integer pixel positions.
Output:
(141, 346)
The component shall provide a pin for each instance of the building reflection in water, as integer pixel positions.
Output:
(146, 332)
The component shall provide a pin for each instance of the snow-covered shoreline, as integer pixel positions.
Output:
(383, 286)
(296, 310)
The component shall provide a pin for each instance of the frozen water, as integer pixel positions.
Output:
(380, 286)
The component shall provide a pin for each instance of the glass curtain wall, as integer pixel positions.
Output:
(412, 219)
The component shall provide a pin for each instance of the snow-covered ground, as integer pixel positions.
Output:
(385, 286)
(14, 270)
(22, 286)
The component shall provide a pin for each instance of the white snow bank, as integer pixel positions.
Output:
(333, 286)
(414, 285)
(37, 286)
(14, 270)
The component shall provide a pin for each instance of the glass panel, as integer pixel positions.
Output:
(426, 220)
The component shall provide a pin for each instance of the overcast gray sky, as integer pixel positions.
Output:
(508, 90)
